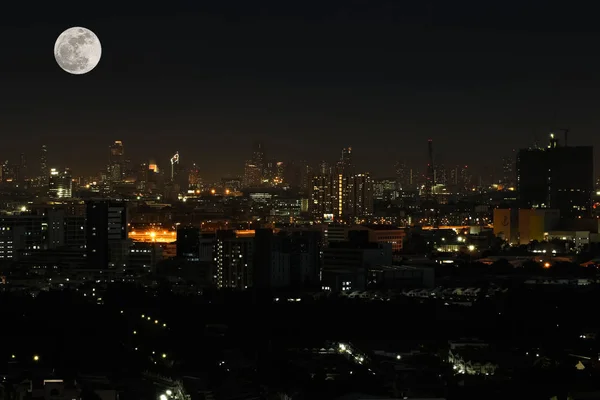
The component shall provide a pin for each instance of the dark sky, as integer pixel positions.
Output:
(306, 77)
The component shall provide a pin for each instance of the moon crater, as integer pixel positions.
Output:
(77, 50)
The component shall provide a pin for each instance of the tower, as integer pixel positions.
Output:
(44, 173)
(429, 178)
(116, 162)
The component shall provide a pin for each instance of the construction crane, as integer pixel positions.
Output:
(566, 131)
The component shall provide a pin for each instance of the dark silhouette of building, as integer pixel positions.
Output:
(106, 233)
(287, 259)
(557, 177)
(188, 243)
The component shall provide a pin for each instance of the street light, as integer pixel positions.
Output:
(163, 397)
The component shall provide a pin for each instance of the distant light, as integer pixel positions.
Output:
(163, 397)
(169, 392)
(36, 358)
(23, 209)
(471, 247)
(164, 355)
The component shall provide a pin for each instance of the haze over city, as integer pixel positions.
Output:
(208, 80)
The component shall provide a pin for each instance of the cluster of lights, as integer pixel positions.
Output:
(168, 394)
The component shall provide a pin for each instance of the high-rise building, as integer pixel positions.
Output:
(252, 174)
(287, 258)
(430, 174)
(508, 171)
(558, 177)
(194, 180)
(60, 184)
(345, 165)
(259, 159)
(234, 258)
(116, 162)
(44, 172)
(440, 176)
(322, 196)
(106, 234)
(358, 202)
(23, 176)
(188, 243)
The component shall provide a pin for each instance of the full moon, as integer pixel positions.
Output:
(77, 50)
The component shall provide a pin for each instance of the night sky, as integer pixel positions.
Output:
(307, 78)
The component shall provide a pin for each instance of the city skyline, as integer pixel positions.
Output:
(306, 80)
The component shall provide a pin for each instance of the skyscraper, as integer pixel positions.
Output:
(23, 176)
(194, 180)
(558, 177)
(106, 233)
(60, 184)
(508, 171)
(44, 173)
(252, 174)
(430, 174)
(345, 165)
(259, 158)
(116, 162)
(359, 196)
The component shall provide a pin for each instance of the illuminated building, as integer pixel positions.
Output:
(359, 196)
(194, 180)
(234, 260)
(116, 163)
(508, 171)
(44, 173)
(252, 175)
(343, 196)
(22, 233)
(322, 196)
(345, 165)
(60, 184)
(259, 159)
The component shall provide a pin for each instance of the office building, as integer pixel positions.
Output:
(60, 184)
(558, 177)
(44, 172)
(106, 234)
(234, 260)
(188, 243)
(116, 162)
